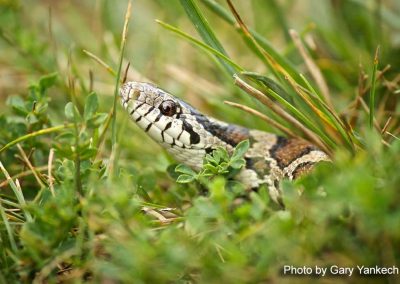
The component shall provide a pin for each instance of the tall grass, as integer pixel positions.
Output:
(87, 197)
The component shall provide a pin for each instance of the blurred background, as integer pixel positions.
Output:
(41, 37)
(93, 227)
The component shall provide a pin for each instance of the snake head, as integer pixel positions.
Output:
(165, 118)
(185, 132)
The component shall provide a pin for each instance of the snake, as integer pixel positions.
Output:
(189, 135)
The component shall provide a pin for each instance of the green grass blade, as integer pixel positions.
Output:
(332, 117)
(264, 43)
(201, 44)
(203, 28)
(35, 134)
(270, 84)
(280, 17)
(116, 89)
(9, 230)
(17, 192)
(256, 50)
(293, 109)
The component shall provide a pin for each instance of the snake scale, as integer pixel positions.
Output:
(189, 135)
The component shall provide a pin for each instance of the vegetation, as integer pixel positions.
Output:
(87, 197)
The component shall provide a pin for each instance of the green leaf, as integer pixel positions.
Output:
(18, 105)
(211, 168)
(210, 159)
(238, 164)
(217, 156)
(67, 135)
(181, 168)
(91, 106)
(88, 153)
(223, 166)
(185, 178)
(224, 154)
(217, 188)
(69, 112)
(47, 81)
(97, 119)
(31, 118)
(240, 150)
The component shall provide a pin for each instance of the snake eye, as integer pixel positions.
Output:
(168, 108)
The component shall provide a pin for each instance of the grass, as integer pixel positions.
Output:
(87, 197)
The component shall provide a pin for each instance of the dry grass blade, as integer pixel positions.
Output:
(49, 168)
(91, 81)
(392, 135)
(321, 115)
(373, 89)
(24, 174)
(124, 78)
(223, 14)
(331, 110)
(353, 106)
(323, 137)
(154, 213)
(126, 22)
(312, 67)
(164, 217)
(282, 113)
(362, 90)
(385, 143)
(324, 140)
(30, 166)
(366, 109)
(272, 62)
(19, 189)
(40, 277)
(385, 127)
(218, 248)
(263, 117)
(101, 62)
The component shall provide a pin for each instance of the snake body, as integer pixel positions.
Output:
(189, 135)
